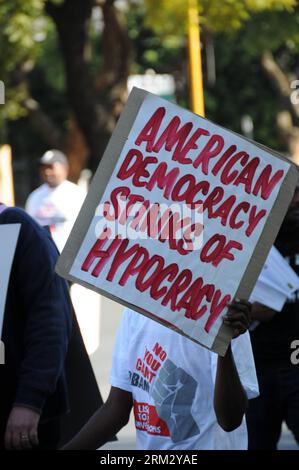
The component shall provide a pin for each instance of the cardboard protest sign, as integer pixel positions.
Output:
(140, 238)
(8, 241)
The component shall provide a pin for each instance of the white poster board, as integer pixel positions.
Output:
(159, 155)
(8, 241)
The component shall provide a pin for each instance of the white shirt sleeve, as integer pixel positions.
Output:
(119, 376)
(243, 356)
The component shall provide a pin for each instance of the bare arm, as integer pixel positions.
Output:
(230, 399)
(105, 423)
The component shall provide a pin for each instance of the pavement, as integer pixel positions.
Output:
(99, 335)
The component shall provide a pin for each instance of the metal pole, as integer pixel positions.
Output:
(195, 65)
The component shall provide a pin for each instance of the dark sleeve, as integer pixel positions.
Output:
(45, 302)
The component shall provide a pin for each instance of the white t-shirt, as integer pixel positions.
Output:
(172, 382)
(56, 207)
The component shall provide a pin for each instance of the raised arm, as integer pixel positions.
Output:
(230, 400)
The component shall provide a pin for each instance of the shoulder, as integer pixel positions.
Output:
(31, 232)
(37, 193)
(241, 349)
(131, 316)
(40, 190)
(73, 188)
(133, 322)
(15, 215)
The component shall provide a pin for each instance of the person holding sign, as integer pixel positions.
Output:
(183, 395)
(177, 222)
(36, 332)
(176, 204)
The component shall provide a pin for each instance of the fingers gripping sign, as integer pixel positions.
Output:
(238, 316)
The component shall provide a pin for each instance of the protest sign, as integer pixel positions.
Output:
(133, 241)
(8, 241)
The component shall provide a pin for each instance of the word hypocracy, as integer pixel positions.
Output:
(174, 157)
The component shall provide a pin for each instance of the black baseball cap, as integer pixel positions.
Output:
(53, 156)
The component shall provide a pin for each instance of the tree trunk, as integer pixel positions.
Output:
(76, 151)
(71, 19)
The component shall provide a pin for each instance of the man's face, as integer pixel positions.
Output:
(54, 174)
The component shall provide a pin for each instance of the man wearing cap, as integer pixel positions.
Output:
(55, 203)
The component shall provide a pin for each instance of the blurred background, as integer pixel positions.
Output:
(67, 65)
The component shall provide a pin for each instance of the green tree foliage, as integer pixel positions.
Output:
(169, 16)
(256, 51)
(22, 30)
(46, 81)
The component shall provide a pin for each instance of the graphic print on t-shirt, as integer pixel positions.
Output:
(49, 214)
(172, 391)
